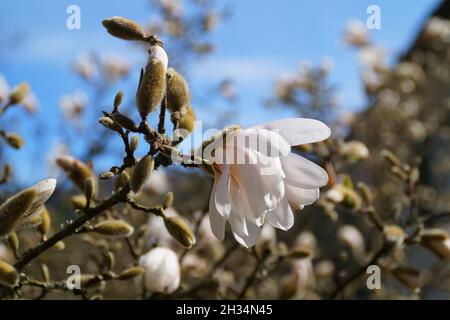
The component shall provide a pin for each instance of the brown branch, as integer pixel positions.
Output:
(340, 288)
(71, 228)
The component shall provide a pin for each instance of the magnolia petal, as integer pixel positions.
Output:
(300, 196)
(257, 187)
(302, 173)
(299, 131)
(252, 238)
(216, 221)
(282, 217)
(158, 53)
(266, 142)
(217, 224)
(222, 194)
(237, 216)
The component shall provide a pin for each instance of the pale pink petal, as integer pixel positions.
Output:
(302, 173)
(222, 194)
(252, 238)
(300, 196)
(298, 131)
(282, 217)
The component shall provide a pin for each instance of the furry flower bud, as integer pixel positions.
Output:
(19, 93)
(14, 140)
(134, 143)
(124, 28)
(177, 91)
(180, 231)
(14, 209)
(113, 228)
(108, 123)
(122, 180)
(89, 188)
(8, 274)
(125, 122)
(131, 272)
(142, 172)
(118, 100)
(152, 85)
(187, 122)
(76, 170)
(168, 200)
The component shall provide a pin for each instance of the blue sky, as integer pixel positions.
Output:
(261, 41)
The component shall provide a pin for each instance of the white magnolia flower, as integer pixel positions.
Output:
(115, 67)
(352, 237)
(356, 33)
(72, 105)
(162, 270)
(269, 181)
(158, 53)
(158, 183)
(157, 232)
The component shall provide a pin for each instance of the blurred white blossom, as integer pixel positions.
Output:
(162, 270)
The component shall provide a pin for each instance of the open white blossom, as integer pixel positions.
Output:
(162, 270)
(72, 105)
(356, 33)
(266, 179)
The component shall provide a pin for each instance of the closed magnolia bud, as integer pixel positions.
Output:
(180, 231)
(365, 190)
(122, 180)
(142, 172)
(167, 201)
(177, 91)
(113, 228)
(130, 273)
(76, 170)
(14, 209)
(437, 241)
(118, 100)
(78, 201)
(391, 158)
(124, 28)
(8, 275)
(125, 122)
(187, 122)
(46, 222)
(109, 260)
(134, 142)
(162, 270)
(13, 241)
(14, 140)
(151, 88)
(89, 188)
(108, 123)
(45, 272)
(90, 280)
(19, 93)
(354, 150)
